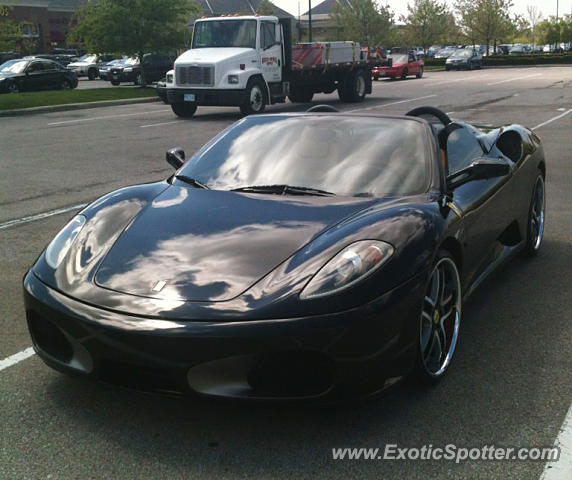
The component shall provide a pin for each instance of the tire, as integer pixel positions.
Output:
(447, 69)
(536, 217)
(440, 319)
(470, 66)
(420, 73)
(65, 85)
(115, 82)
(352, 90)
(255, 98)
(92, 74)
(13, 87)
(375, 79)
(184, 110)
(404, 74)
(301, 95)
(138, 79)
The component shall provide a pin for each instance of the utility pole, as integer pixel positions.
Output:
(310, 20)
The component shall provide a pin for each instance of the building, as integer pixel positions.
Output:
(214, 8)
(47, 22)
(323, 26)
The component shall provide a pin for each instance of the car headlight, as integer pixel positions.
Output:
(62, 242)
(351, 265)
(127, 69)
(233, 79)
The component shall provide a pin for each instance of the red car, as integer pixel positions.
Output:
(403, 64)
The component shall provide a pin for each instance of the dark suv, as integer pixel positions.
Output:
(154, 67)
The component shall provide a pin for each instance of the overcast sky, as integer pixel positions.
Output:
(547, 7)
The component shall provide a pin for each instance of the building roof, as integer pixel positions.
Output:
(53, 5)
(325, 7)
(219, 7)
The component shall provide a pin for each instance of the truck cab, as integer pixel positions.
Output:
(233, 61)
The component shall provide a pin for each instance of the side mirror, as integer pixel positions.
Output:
(175, 157)
(481, 169)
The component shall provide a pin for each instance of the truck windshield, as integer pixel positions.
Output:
(225, 33)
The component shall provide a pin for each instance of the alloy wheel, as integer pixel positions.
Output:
(441, 317)
(537, 214)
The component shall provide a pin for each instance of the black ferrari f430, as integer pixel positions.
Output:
(303, 256)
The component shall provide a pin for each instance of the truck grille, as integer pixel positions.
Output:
(195, 75)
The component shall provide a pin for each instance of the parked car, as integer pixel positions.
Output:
(402, 65)
(288, 259)
(468, 58)
(155, 67)
(35, 74)
(104, 69)
(5, 56)
(88, 65)
(445, 52)
(519, 50)
(63, 60)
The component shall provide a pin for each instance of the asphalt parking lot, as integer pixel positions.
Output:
(510, 383)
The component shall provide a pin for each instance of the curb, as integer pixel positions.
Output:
(76, 106)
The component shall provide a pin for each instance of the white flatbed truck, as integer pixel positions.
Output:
(249, 62)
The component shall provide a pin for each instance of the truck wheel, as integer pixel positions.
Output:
(115, 82)
(184, 110)
(255, 98)
(353, 88)
(301, 95)
(92, 74)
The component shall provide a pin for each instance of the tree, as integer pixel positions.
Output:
(265, 8)
(363, 21)
(484, 20)
(132, 27)
(10, 31)
(426, 22)
(534, 16)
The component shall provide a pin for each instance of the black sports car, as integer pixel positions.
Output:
(295, 256)
(35, 74)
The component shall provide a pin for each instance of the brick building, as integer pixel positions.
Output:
(47, 21)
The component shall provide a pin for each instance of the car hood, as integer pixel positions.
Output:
(79, 64)
(208, 246)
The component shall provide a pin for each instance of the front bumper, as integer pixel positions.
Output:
(210, 97)
(355, 352)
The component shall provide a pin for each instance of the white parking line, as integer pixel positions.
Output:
(158, 124)
(40, 216)
(148, 112)
(514, 79)
(16, 358)
(388, 104)
(561, 469)
(552, 119)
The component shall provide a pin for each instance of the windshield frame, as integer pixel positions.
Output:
(203, 25)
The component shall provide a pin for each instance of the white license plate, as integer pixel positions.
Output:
(189, 97)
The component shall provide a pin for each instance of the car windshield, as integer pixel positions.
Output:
(463, 54)
(225, 33)
(398, 58)
(130, 61)
(88, 58)
(14, 66)
(343, 155)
